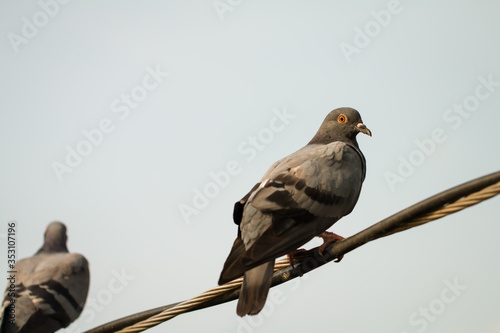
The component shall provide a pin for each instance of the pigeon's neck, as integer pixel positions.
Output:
(52, 247)
(324, 139)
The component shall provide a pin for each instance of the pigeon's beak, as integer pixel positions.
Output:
(363, 129)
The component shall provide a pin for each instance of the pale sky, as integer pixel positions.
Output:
(117, 117)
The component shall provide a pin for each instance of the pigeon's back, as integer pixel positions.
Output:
(50, 292)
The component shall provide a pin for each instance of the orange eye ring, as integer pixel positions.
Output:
(342, 118)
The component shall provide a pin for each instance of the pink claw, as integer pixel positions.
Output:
(329, 237)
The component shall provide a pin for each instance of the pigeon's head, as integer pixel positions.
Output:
(55, 238)
(342, 124)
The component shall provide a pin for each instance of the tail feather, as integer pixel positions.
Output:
(254, 290)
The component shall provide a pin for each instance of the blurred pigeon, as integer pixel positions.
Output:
(299, 197)
(50, 287)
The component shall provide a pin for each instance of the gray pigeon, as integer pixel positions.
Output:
(50, 287)
(299, 197)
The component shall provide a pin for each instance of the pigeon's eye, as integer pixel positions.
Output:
(342, 118)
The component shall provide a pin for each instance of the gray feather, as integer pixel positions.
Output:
(51, 287)
(254, 289)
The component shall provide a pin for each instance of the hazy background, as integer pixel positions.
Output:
(231, 66)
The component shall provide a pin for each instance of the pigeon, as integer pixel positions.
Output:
(298, 198)
(51, 287)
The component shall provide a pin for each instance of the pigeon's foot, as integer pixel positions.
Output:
(291, 254)
(329, 237)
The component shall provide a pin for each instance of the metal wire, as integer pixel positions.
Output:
(457, 206)
(433, 208)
